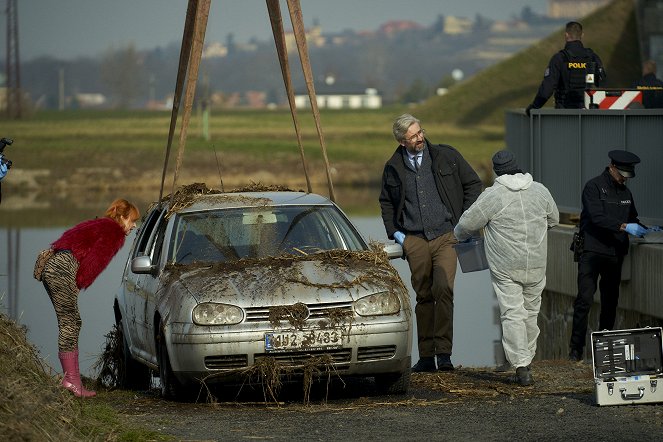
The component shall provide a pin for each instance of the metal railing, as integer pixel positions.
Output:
(564, 148)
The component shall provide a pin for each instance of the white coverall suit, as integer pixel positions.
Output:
(516, 212)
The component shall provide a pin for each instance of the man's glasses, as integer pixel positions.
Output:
(415, 137)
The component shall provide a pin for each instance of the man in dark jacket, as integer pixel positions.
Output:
(569, 72)
(425, 189)
(608, 217)
(651, 86)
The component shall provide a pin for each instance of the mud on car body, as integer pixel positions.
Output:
(218, 282)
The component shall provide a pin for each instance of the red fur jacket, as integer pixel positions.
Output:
(93, 243)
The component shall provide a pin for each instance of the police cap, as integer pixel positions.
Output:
(624, 161)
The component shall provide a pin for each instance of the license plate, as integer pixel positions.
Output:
(303, 340)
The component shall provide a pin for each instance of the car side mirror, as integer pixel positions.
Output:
(393, 251)
(142, 265)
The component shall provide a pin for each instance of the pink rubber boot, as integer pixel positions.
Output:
(72, 377)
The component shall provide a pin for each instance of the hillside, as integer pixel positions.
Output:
(611, 32)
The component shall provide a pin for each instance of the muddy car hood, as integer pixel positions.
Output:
(288, 282)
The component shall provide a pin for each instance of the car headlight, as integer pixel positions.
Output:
(383, 303)
(212, 313)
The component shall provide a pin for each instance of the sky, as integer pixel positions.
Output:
(67, 29)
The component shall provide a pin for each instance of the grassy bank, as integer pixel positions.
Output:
(86, 158)
(89, 138)
(34, 407)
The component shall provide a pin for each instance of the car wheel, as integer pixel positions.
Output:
(131, 374)
(393, 383)
(171, 387)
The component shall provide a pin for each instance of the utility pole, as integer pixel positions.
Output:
(12, 63)
(61, 96)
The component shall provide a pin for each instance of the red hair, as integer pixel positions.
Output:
(121, 208)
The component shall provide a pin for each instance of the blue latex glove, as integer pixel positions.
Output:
(654, 229)
(399, 237)
(635, 229)
(3, 169)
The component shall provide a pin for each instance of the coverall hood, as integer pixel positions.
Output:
(518, 181)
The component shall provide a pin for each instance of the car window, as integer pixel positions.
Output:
(232, 234)
(155, 246)
(145, 233)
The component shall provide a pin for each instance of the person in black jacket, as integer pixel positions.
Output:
(425, 189)
(608, 217)
(569, 72)
(651, 86)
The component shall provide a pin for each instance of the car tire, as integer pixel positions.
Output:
(131, 374)
(393, 383)
(171, 387)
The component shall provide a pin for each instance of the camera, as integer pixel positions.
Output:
(4, 142)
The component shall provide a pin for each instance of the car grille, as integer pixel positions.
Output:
(317, 311)
(339, 356)
(226, 362)
(229, 362)
(382, 352)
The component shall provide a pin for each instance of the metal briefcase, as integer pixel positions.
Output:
(627, 366)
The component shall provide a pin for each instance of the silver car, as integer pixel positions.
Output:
(217, 284)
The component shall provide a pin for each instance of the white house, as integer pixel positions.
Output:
(369, 99)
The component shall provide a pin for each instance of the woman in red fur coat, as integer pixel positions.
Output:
(80, 255)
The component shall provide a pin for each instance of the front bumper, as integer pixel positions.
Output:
(366, 349)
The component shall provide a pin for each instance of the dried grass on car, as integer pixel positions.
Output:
(187, 195)
(270, 374)
(373, 266)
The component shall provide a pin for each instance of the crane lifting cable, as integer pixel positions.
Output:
(185, 52)
(279, 40)
(190, 55)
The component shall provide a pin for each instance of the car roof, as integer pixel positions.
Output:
(254, 199)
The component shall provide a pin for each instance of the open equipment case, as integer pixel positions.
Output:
(627, 366)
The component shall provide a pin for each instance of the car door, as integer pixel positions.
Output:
(150, 287)
(135, 305)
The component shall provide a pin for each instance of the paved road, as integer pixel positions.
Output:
(354, 412)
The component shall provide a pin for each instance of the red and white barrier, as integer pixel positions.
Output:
(613, 99)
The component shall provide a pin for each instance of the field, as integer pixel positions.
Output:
(78, 153)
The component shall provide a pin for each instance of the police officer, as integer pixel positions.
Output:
(569, 72)
(608, 216)
(651, 86)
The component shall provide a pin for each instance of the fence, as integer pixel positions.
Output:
(564, 148)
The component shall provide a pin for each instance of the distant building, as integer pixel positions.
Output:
(368, 99)
(255, 99)
(215, 50)
(395, 26)
(573, 9)
(457, 25)
(90, 100)
(314, 38)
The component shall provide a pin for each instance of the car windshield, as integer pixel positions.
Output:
(231, 234)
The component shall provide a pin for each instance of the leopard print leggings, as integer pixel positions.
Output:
(59, 280)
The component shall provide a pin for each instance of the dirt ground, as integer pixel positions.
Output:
(467, 404)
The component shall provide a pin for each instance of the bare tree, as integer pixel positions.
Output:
(123, 73)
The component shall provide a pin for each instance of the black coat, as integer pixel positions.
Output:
(457, 184)
(557, 79)
(606, 205)
(652, 91)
